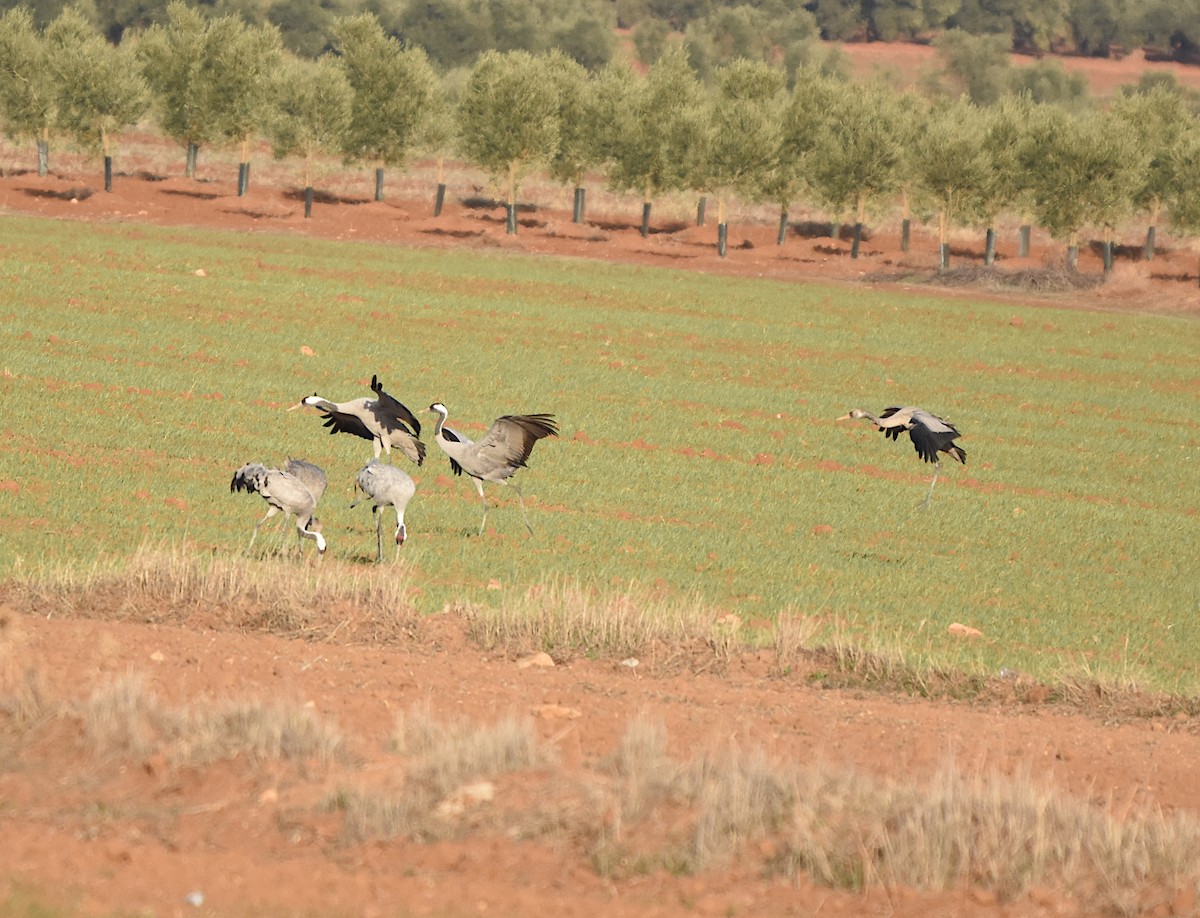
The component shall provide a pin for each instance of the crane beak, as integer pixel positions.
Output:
(297, 405)
(844, 417)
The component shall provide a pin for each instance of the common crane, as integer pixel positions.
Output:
(498, 455)
(930, 435)
(284, 492)
(382, 419)
(387, 486)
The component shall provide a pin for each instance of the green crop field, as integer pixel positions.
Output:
(699, 455)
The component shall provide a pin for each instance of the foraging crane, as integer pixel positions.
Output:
(503, 450)
(930, 435)
(283, 491)
(313, 477)
(387, 486)
(383, 420)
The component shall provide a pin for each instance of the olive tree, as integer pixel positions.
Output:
(802, 124)
(1082, 170)
(438, 133)
(579, 125)
(99, 92)
(658, 129)
(311, 114)
(1004, 134)
(176, 59)
(244, 68)
(747, 136)
(860, 153)
(26, 93)
(1160, 119)
(952, 167)
(509, 119)
(393, 88)
(1182, 200)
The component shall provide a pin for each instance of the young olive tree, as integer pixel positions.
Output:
(438, 133)
(311, 115)
(579, 147)
(243, 71)
(1160, 119)
(912, 114)
(393, 89)
(99, 91)
(509, 119)
(953, 167)
(1082, 170)
(658, 129)
(26, 93)
(860, 154)
(747, 136)
(182, 62)
(1004, 135)
(1182, 200)
(802, 123)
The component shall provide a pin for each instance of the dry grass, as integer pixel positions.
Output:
(567, 619)
(988, 831)
(641, 810)
(443, 756)
(123, 719)
(843, 829)
(449, 768)
(172, 584)
(645, 811)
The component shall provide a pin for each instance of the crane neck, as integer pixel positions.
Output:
(437, 425)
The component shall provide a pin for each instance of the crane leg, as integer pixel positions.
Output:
(486, 506)
(283, 537)
(379, 537)
(396, 557)
(258, 525)
(521, 502)
(929, 497)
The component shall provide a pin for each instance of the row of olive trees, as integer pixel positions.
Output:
(847, 149)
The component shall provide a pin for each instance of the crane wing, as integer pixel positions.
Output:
(510, 439)
(342, 422)
(313, 476)
(933, 422)
(931, 435)
(391, 413)
(924, 442)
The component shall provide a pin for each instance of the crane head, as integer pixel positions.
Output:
(855, 413)
(401, 534)
(313, 400)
